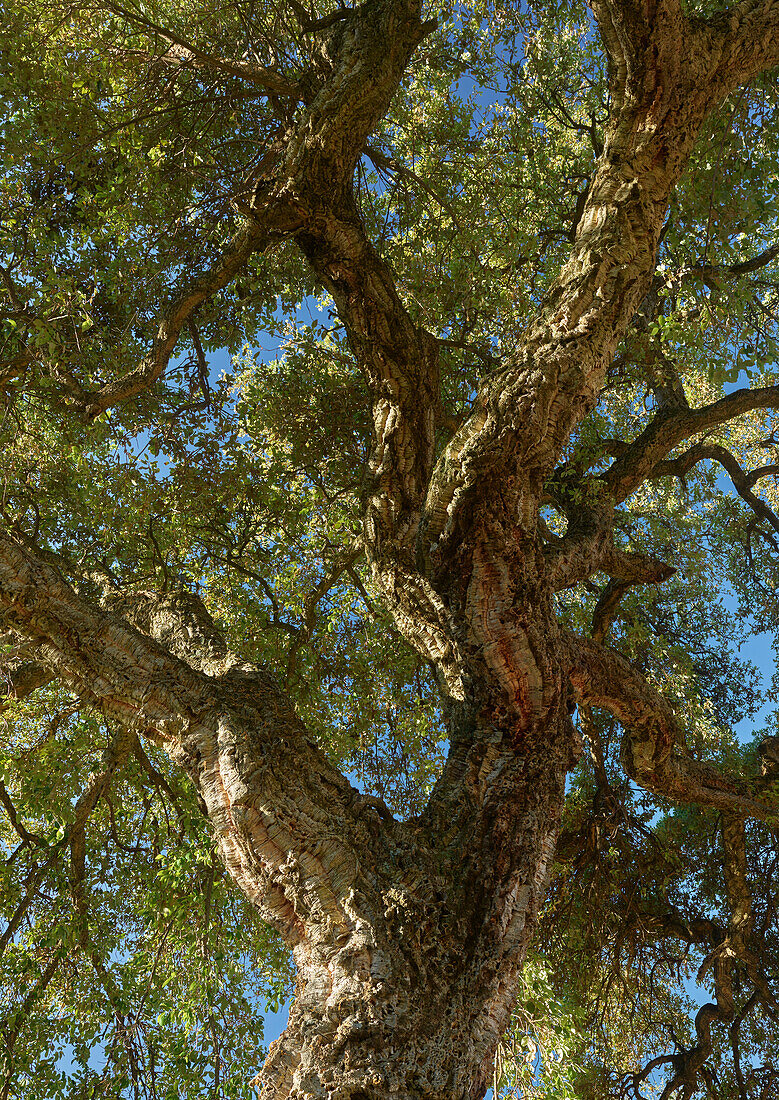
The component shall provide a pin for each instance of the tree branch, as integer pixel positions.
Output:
(11, 1026)
(22, 680)
(669, 428)
(743, 482)
(732, 947)
(652, 747)
(746, 267)
(113, 757)
(180, 622)
(292, 831)
(589, 548)
(606, 608)
(743, 40)
(252, 237)
(24, 834)
(308, 193)
(662, 90)
(400, 362)
(398, 358)
(183, 51)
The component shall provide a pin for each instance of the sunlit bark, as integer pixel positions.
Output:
(409, 936)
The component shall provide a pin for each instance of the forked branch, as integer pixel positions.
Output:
(665, 80)
(641, 458)
(589, 548)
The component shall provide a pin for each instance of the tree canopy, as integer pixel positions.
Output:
(272, 275)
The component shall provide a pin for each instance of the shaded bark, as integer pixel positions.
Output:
(407, 938)
(409, 935)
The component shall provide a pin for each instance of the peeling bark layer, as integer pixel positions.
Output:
(409, 936)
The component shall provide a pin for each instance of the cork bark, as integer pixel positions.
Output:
(409, 935)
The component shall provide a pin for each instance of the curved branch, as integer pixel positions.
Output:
(742, 482)
(589, 548)
(24, 834)
(305, 172)
(652, 746)
(399, 359)
(670, 427)
(746, 267)
(252, 237)
(400, 363)
(292, 831)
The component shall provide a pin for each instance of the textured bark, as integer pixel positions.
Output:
(409, 936)
(308, 167)
(407, 939)
(653, 751)
(414, 1004)
(20, 680)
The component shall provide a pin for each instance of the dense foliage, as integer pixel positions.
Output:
(130, 964)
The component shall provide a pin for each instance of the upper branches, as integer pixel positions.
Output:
(645, 40)
(667, 76)
(302, 188)
(253, 237)
(588, 546)
(673, 425)
(182, 51)
(310, 160)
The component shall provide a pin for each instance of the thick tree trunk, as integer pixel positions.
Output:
(411, 997)
(409, 935)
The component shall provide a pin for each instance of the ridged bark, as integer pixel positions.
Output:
(409, 935)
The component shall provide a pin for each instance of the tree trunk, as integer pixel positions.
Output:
(409, 935)
(412, 996)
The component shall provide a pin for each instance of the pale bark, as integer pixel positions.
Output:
(409, 936)
(653, 752)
